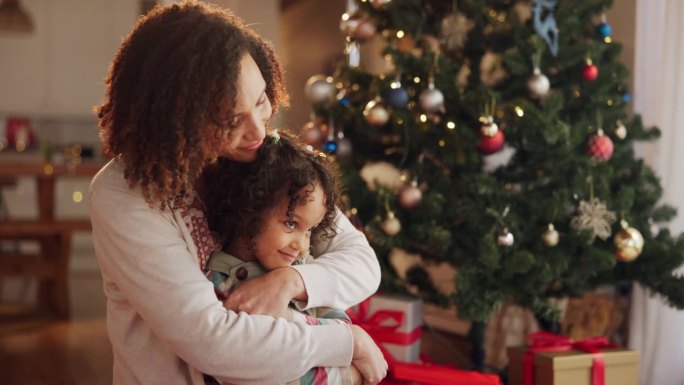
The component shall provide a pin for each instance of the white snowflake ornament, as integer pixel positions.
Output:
(593, 215)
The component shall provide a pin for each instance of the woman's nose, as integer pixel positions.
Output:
(256, 128)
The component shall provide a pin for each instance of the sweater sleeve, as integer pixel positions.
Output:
(142, 252)
(346, 271)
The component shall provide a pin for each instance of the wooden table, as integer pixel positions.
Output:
(51, 265)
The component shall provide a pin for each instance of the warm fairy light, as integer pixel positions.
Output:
(345, 16)
(609, 102)
(329, 79)
(48, 169)
(354, 211)
(400, 34)
(395, 85)
(423, 118)
(77, 196)
(403, 177)
(519, 111)
(451, 125)
(607, 40)
(416, 80)
(576, 93)
(400, 121)
(442, 143)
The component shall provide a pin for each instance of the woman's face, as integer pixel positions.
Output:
(252, 111)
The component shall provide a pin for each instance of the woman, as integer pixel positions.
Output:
(191, 84)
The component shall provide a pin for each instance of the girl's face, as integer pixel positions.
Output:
(252, 111)
(283, 240)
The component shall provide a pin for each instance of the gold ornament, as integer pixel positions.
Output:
(629, 243)
(375, 113)
(391, 226)
(550, 236)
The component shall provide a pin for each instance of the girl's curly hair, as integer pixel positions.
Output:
(171, 89)
(236, 195)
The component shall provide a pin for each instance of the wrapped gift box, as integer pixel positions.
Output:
(574, 367)
(403, 340)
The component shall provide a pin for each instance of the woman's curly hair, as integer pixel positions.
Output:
(171, 89)
(237, 194)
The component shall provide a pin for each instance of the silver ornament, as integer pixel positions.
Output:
(550, 236)
(538, 84)
(505, 238)
(620, 130)
(410, 196)
(313, 133)
(431, 99)
(380, 4)
(391, 226)
(344, 148)
(319, 90)
(375, 113)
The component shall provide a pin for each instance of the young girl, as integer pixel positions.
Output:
(268, 220)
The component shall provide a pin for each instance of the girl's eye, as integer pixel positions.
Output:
(262, 100)
(290, 224)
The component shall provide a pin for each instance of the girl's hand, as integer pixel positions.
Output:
(269, 294)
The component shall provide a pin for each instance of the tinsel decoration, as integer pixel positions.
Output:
(594, 216)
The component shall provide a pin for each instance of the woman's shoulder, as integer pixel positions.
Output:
(111, 175)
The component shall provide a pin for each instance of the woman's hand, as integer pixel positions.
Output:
(367, 358)
(269, 294)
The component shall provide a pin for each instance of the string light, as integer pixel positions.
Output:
(77, 196)
(416, 80)
(609, 102)
(519, 111)
(400, 34)
(423, 118)
(607, 40)
(451, 125)
(442, 143)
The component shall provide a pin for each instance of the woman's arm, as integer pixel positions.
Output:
(345, 273)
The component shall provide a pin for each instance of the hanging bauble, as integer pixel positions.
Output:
(319, 90)
(431, 99)
(397, 97)
(538, 84)
(620, 130)
(314, 133)
(330, 146)
(505, 238)
(344, 148)
(629, 243)
(604, 30)
(391, 225)
(380, 4)
(375, 113)
(491, 144)
(365, 30)
(590, 71)
(626, 97)
(410, 196)
(600, 147)
(550, 236)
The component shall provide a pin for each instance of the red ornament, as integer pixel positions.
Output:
(590, 72)
(491, 144)
(600, 147)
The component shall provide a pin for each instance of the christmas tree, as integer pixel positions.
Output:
(498, 141)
